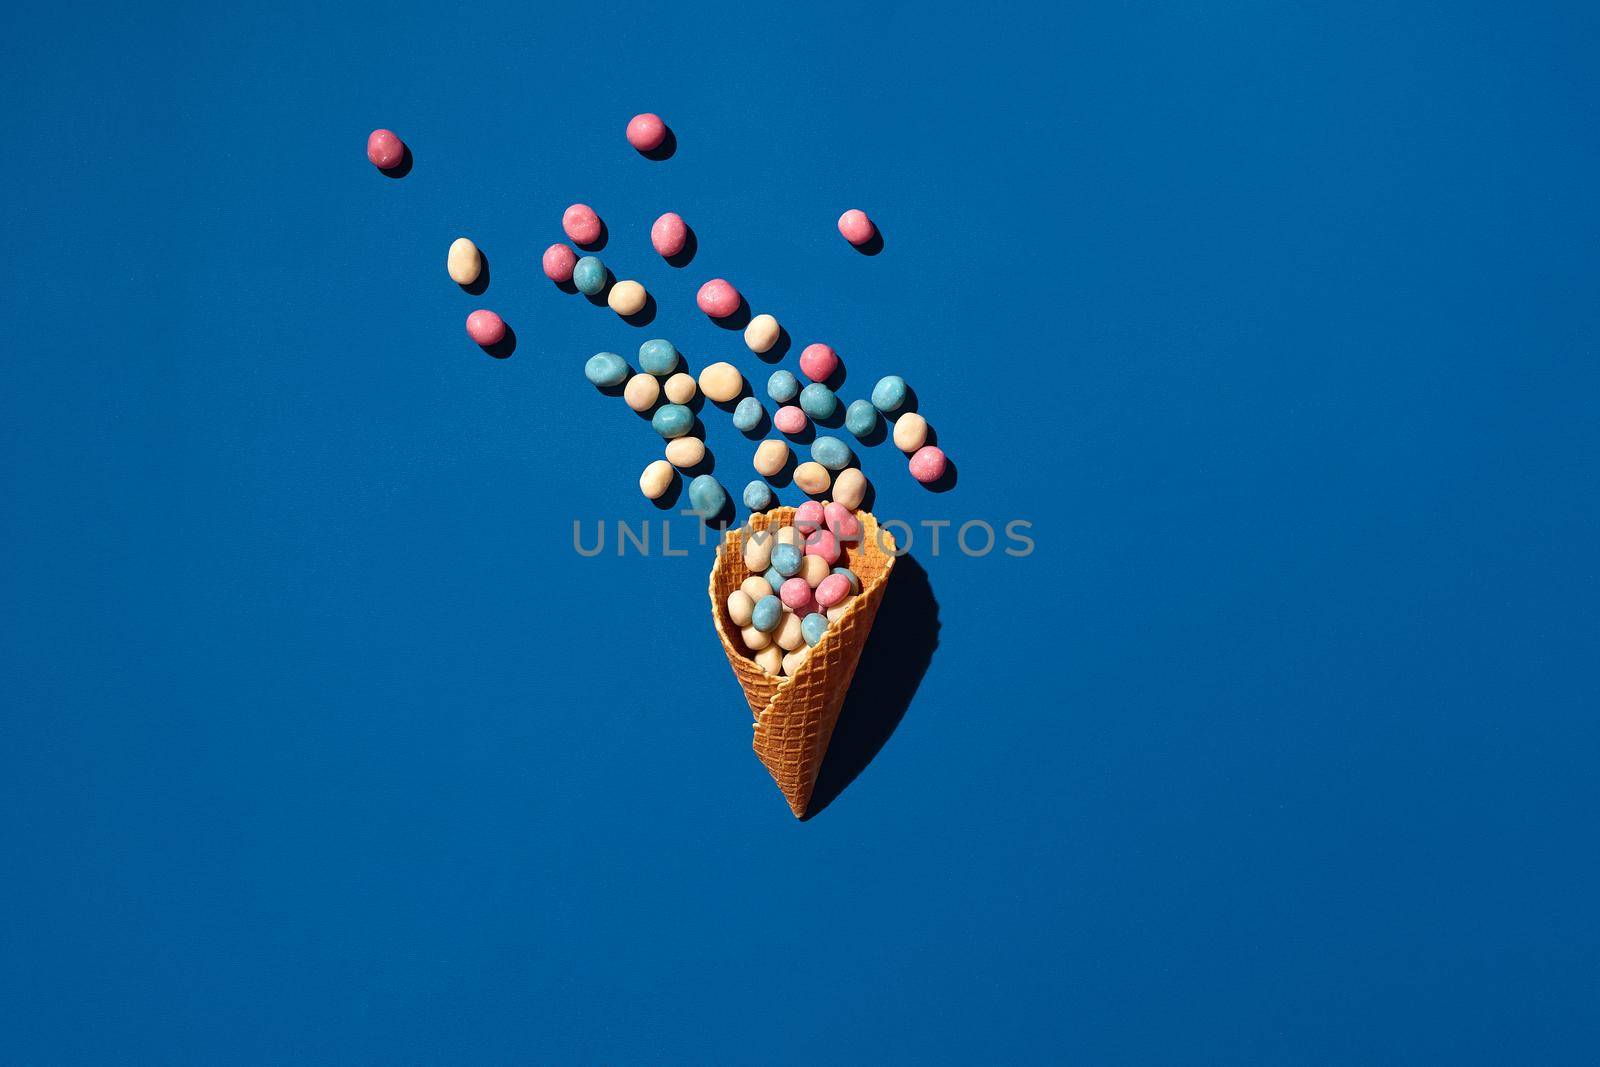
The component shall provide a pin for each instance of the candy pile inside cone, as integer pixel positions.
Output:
(795, 712)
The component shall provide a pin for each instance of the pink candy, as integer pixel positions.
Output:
(646, 132)
(789, 419)
(928, 464)
(856, 227)
(795, 593)
(718, 299)
(833, 590)
(486, 328)
(818, 362)
(808, 517)
(842, 521)
(385, 150)
(824, 544)
(581, 224)
(669, 234)
(558, 262)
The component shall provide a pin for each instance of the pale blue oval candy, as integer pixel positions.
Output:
(785, 560)
(672, 420)
(773, 578)
(747, 416)
(831, 453)
(768, 612)
(889, 393)
(707, 498)
(605, 369)
(855, 583)
(818, 401)
(861, 418)
(812, 627)
(589, 275)
(758, 495)
(783, 387)
(658, 357)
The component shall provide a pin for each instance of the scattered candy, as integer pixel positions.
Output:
(606, 369)
(928, 464)
(842, 521)
(721, 382)
(910, 432)
(740, 607)
(770, 659)
(818, 362)
(783, 386)
(767, 614)
(755, 587)
(795, 593)
(889, 393)
(647, 131)
(656, 479)
(812, 478)
(833, 590)
(814, 626)
(809, 517)
(581, 224)
(627, 298)
(680, 388)
(707, 498)
(786, 559)
(558, 262)
(717, 298)
(385, 150)
(789, 419)
(831, 453)
(658, 357)
(861, 418)
(486, 328)
(850, 488)
(669, 234)
(464, 261)
(672, 420)
(771, 456)
(747, 416)
(589, 275)
(642, 391)
(685, 452)
(758, 496)
(818, 401)
(761, 334)
(855, 227)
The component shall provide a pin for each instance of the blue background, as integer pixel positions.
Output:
(1278, 321)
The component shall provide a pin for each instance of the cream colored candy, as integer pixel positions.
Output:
(656, 479)
(788, 535)
(792, 661)
(755, 587)
(464, 262)
(761, 334)
(910, 432)
(758, 551)
(627, 298)
(789, 636)
(721, 382)
(813, 569)
(812, 478)
(770, 659)
(641, 391)
(680, 388)
(850, 487)
(685, 451)
(754, 639)
(770, 457)
(739, 605)
(836, 611)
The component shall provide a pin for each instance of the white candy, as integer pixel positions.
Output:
(685, 451)
(641, 392)
(755, 587)
(813, 569)
(771, 457)
(680, 388)
(788, 535)
(792, 661)
(789, 636)
(754, 639)
(851, 486)
(627, 298)
(656, 479)
(910, 432)
(739, 606)
(721, 382)
(812, 478)
(837, 610)
(758, 550)
(464, 262)
(770, 659)
(761, 334)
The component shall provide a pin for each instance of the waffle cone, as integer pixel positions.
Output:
(795, 716)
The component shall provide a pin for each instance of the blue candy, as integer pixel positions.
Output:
(783, 386)
(707, 498)
(855, 583)
(831, 453)
(812, 627)
(589, 275)
(818, 401)
(672, 420)
(861, 418)
(773, 578)
(658, 357)
(889, 393)
(785, 560)
(758, 496)
(606, 368)
(768, 611)
(747, 416)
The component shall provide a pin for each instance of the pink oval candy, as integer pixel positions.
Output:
(717, 298)
(808, 517)
(833, 590)
(558, 262)
(486, 328)
(646, 131)
(823, 543)
(581, 224)
(385, 150)
(928, 464)
(795, 593)
(669, 234)
(842, 521)
(818, 362)
(856, 227)
(789, 419)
